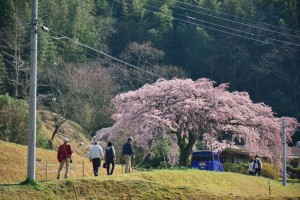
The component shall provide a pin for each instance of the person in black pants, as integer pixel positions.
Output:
(96, 154)
(110, 157)
(257, 166)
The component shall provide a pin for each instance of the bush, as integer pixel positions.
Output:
(158, 158)
(269, 171)
(41, 139)
(241, 168)
(294, 173)
(289, 180)
(14, 118)
(179, 168)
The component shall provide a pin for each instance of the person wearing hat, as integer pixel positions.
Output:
(128, 154)
(110, 157)
(64, 154)
(96, 154)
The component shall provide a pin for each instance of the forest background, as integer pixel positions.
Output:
(95, 49)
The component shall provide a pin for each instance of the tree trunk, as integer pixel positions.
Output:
(50, 143)
(54, 132)
(185, 146)
(58, 121)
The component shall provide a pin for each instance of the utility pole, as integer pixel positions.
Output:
(283, 153)
(32, 94)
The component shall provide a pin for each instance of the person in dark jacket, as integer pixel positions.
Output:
(110, 157)
(257, 166)
(64, 154)
(128, 154)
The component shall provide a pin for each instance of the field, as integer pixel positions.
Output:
(13, 164)
(162, 184)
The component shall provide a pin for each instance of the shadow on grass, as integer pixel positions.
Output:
(33, 184)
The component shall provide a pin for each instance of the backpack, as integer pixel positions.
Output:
(259, 164)
(109, 154)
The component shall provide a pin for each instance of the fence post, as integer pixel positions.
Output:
(46, 170)
(122, 169)
(76, 196)
(82, 168)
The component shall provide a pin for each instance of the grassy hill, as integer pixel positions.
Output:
(13, 164)
(13, 157)
(69, 129)
(163, 184)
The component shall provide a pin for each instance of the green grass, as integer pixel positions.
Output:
(162, 184)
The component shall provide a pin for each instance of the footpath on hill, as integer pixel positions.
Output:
(161, 184)
(13, 157)
(13, 164)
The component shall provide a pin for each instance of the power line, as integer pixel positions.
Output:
(102, 61)
(245, 37)
(105, 54)
(112, 65)
(211, 10)
(214, 24)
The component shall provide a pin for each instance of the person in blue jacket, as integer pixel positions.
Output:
(128, 154)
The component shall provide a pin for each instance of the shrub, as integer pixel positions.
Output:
(294, 173)
(179, 168)
(157, 157)
(269, 171)
(14, 118)
(241, 168)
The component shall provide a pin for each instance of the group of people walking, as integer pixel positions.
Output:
(96, 154)
(255, 166)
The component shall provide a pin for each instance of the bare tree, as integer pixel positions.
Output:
(82, 93)
(15, 49)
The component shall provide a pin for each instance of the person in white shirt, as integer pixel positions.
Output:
(96, 154)
(251, 166)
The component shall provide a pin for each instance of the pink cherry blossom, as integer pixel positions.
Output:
(186, 109)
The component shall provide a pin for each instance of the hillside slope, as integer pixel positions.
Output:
(163, 184)
(13, 164)
(69, 129)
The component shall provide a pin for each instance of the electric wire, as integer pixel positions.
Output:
(249, 33)
(103, 61)
(211, 10)
(245, 37)
(101, 52)
(111, 64)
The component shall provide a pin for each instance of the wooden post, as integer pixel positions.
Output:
(122, 169)
(269, 186)
(82, 168)
(46, 170)
(76, 196)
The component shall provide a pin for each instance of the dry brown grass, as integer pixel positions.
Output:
(13, 157)
(13, 164)
(69, 129)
